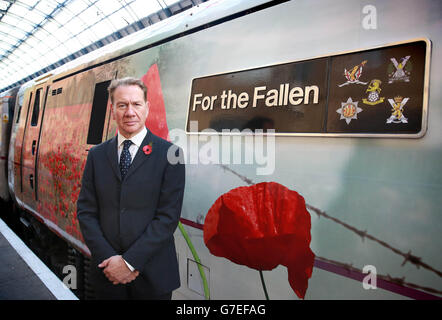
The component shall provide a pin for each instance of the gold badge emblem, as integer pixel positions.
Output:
(374, 90)
(397, 114)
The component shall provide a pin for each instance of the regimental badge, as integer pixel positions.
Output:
(353, 75)
(374, 90)
(397, 114)
(399, 71)
(349, 110)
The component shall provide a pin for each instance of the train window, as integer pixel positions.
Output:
(36, 110)
(18, 114)
(98, 113)
(57, 91)
(20, 106)
(11, 104)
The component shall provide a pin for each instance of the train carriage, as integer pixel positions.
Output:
(313, 97)
(7, 102)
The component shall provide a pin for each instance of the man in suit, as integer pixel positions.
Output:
(130, 203)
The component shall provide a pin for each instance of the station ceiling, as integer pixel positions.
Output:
(37, 36)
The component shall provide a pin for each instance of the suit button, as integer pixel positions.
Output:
(123, 210)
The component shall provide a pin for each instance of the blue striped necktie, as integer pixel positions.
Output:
(125, 158)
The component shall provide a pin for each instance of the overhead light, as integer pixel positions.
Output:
(4, 5)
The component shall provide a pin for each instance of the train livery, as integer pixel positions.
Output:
(312, 139)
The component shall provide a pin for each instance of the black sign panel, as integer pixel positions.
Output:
(373, 92)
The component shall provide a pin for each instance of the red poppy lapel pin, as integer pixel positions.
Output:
(147, 149)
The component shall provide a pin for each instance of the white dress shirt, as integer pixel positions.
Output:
(137, 140)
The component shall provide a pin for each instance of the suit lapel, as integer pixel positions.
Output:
(112, 155)
(140, 157)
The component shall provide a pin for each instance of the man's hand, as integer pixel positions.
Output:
(116, 270)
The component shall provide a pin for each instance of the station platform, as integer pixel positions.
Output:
(23, 276)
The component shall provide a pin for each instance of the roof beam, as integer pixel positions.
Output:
(146, 21)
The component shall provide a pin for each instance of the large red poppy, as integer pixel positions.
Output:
(156, 119)
(262, 226)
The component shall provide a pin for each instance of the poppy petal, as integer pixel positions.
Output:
(262, 226)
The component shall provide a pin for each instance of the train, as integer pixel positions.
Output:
(334, 106)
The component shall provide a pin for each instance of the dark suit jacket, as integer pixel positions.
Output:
(136, 217)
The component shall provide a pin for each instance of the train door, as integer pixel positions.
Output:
(23, 104)
(31, 136)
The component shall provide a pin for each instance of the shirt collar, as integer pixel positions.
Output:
(136, 139)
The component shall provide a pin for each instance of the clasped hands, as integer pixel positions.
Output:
(116, 270)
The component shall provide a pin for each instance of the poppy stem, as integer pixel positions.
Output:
(197, 260)
(263, 285)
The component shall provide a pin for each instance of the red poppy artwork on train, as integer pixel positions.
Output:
(63, 162)
(156, 119)
(262, 226)
(61, 167)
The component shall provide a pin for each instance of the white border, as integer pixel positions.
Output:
(49, 279)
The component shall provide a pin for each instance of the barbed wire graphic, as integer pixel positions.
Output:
(387, 277)
(363, 234)
(408, 256)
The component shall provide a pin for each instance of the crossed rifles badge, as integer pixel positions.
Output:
(353, 75)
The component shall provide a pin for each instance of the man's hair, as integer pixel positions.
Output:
(128, 81)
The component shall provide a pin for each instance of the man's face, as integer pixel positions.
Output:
(129, 110)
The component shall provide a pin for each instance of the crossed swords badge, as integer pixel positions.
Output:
(397, 115)
(402, 72)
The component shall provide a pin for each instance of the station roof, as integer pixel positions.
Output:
(37, 36)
